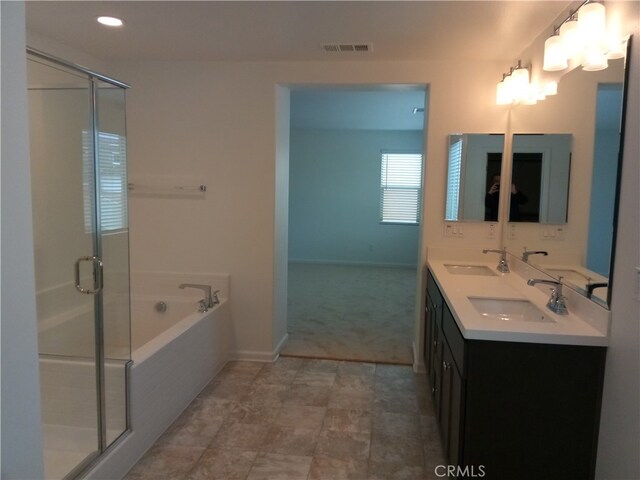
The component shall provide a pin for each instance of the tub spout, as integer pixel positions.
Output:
(211, 298)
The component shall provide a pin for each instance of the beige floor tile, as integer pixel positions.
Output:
(223, 464)
(381, 471)
(345, 398)
(254, 413)
(227, 389)
(344, 445)
(313, 378)
(392, 424)
(291, 440)
(324, 468)
(307, 417)
(247, 436)
(347, 430)
(304, 395)
(320, 365)
(262, 394)
(166, 461)
(348, 420)
(188, 431)
(360, 382)
(356, 368)
(396, 450)
(273, 466)
(275, 376)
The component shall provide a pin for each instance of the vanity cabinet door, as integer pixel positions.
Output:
(451, 406)
(436, 369)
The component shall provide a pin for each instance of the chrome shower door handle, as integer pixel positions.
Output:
(97, 275)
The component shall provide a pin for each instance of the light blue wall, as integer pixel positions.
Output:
(334, 198)
(603, 187)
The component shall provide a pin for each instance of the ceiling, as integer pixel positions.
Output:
(294, 30)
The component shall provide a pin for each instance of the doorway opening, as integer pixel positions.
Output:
(355, 190)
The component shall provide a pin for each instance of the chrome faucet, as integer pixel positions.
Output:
(502, 267)
(527, 253)
(211, 299)
(556, 302)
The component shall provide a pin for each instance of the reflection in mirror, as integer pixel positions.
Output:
(540, 178)
(475, 161)
(589, 105)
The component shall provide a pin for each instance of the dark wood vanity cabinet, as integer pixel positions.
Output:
(509, 409)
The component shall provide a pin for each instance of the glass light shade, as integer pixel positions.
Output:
(592, 24)
(555, 58)
(503, 96)
(616, 48)
(594, 59)
(572, 42)
(520, 83)
(550, 88)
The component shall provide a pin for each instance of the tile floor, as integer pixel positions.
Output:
(302, 419)
(348, 312)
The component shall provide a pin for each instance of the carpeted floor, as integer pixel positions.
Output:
(351, 313)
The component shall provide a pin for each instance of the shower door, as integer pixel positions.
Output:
(79, 202)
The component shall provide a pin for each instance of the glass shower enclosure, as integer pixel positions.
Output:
(81, 236)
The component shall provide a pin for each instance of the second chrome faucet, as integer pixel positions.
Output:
(503, 266)
(556, 302)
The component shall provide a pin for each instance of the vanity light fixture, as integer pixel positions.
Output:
(582, 39)
(110, 21)
(514, 86)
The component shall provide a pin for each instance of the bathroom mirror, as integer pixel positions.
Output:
(540, 170)
(475, 160)
(588, 111)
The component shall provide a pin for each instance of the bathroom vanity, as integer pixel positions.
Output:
(517, 389)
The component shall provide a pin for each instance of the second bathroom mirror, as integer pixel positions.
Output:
(474, 165)
(540, 178)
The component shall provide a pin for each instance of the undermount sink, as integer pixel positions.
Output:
(511, 310)
(470, 270)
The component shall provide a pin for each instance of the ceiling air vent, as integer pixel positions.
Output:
(347, 47)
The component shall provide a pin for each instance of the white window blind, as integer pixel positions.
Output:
(112, 164)
(400, 187)
(453, 180)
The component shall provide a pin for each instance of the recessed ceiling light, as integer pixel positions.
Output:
(110, 21)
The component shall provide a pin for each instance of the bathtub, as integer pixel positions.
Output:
(174, 355)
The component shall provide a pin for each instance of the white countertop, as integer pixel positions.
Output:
(579, 327)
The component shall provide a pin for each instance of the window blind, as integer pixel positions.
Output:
(400, 187)
(453, 180)
(112, 165)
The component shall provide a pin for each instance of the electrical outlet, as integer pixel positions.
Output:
(513, 232)
(453, 230)
(492, 231)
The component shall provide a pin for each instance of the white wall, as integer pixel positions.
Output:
(618, 454)
(334, 200)
(217, 121)
(21, 431)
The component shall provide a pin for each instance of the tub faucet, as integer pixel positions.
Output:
(211, 299)
(527, 253)
(556, 302)
(502, 267)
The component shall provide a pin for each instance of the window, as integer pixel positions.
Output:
(112, 164)
(453, 180)
(400, 188)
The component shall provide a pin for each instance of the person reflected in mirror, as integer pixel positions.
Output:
(492, 201)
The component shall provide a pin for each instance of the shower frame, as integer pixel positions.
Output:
(103, 445)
